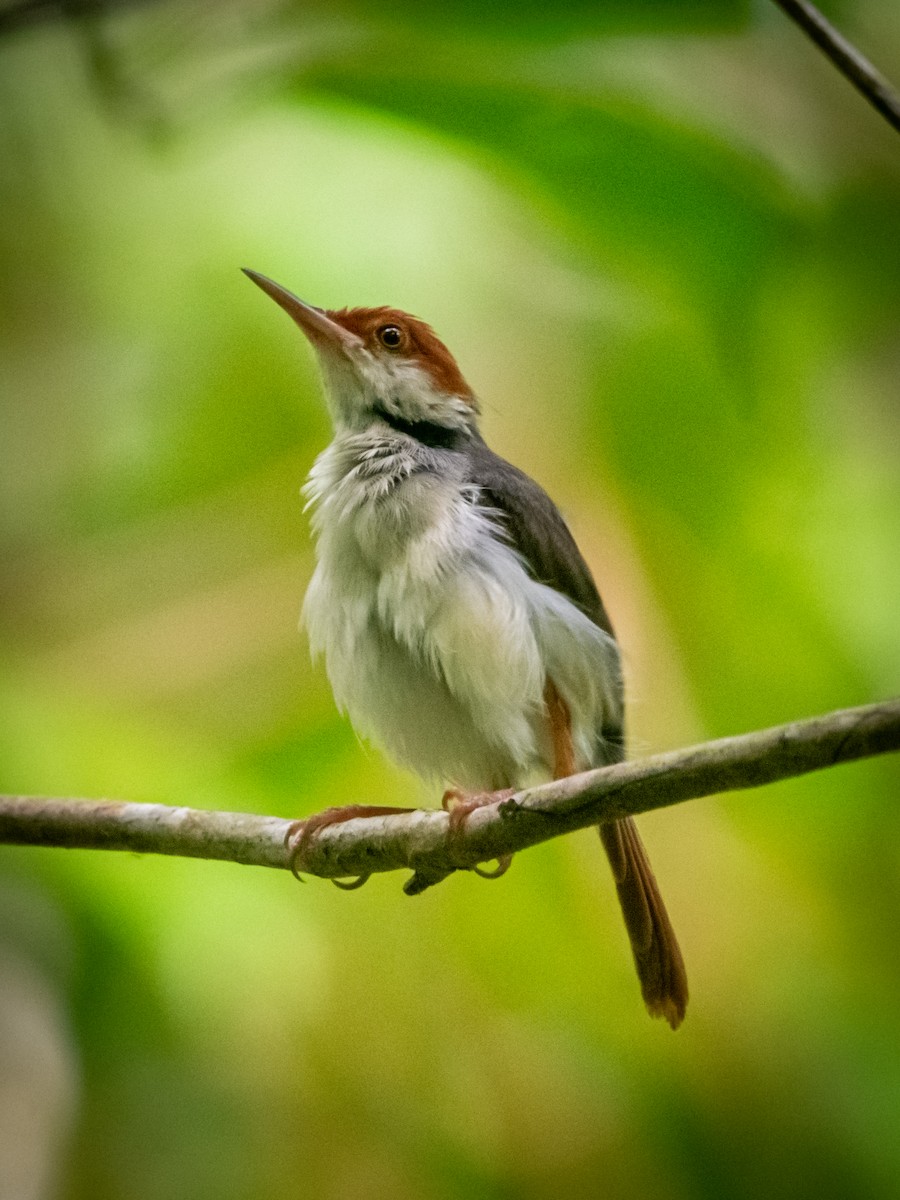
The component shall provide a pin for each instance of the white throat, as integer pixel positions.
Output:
(360, 386)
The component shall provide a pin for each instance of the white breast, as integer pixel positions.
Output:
(436, 641)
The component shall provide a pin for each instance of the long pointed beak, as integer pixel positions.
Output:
(315, 322)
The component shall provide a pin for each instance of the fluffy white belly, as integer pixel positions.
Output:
(437, 642)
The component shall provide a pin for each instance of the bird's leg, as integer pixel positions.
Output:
(300, 833)
(560, 731)
(460, 805)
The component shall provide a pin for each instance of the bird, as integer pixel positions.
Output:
(460, 625)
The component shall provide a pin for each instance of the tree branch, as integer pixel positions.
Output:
(418, 841)
(845, 56)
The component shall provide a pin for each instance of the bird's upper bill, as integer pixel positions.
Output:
(387, 347)
(316, 323)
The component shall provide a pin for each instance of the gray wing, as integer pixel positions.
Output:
(536, 530)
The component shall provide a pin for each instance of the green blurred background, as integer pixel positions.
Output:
(662, 240)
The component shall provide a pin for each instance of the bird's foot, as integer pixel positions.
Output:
(300, 833)
(460, 805)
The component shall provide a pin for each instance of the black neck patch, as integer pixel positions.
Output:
(429, 433)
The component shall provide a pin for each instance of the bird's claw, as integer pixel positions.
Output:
(503, 864)
(350, 885)
(460, 805)
(295, 841)
(299, 834)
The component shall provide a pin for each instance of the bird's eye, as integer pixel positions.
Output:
(390, 336)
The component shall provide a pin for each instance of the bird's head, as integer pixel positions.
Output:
(381, 364)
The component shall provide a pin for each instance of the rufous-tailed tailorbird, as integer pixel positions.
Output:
(460, 625)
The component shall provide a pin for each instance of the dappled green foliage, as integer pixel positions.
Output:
(661, 240)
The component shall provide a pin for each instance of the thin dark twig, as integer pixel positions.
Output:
(845, 56)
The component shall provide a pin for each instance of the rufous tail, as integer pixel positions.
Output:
(657, 957)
